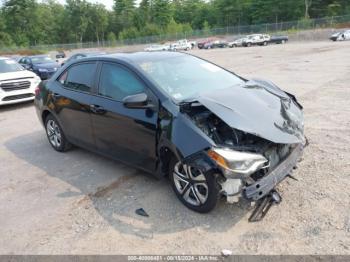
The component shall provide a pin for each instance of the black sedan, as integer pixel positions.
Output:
(279, 39)
(172, 114)
(42, 65)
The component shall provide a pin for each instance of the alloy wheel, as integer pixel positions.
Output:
(53, 133)
(191, 184)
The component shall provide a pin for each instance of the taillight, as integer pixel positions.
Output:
(37, 91)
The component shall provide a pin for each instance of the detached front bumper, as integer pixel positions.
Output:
(265, 185)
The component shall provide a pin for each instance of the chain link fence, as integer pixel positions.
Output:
(310, 29)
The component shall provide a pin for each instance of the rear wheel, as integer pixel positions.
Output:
(55, 134)
(197, 190)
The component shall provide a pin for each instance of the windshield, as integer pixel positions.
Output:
(41, 60)
(8, 65)
(184, 77)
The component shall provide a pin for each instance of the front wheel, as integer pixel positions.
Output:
(55, 134)
(197, 190)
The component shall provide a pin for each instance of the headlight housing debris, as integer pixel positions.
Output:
(242, 163)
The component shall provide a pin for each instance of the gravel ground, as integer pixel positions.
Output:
(81, 203)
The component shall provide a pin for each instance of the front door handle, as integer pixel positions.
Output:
(97, 109)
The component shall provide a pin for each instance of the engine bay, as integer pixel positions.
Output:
(225, 136)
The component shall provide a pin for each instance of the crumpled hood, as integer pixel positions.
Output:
(258, 107)
(18, 74)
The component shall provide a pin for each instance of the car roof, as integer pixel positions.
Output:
(136, 57)
(91, 53)
(34, 56)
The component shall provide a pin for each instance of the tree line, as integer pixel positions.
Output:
(31, 22)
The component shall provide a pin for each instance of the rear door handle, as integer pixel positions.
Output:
(97, 109)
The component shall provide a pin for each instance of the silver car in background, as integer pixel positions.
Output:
(153, 48)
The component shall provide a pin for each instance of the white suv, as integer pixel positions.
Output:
(16, 83)
(256, 39)
(181, 45)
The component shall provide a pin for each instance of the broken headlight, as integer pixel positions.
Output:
(242, 163)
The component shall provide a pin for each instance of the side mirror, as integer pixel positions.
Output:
(137, 101)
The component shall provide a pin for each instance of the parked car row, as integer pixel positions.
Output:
(180, 45)
(20, 75)
(247, 41)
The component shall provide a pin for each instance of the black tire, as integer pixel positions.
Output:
(249, 45)
(55, 134)
(212, 190)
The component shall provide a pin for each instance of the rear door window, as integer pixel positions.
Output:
(79, 77)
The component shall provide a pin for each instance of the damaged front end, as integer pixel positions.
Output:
(257, 143)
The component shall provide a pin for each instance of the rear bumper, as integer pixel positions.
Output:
(262, 187)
